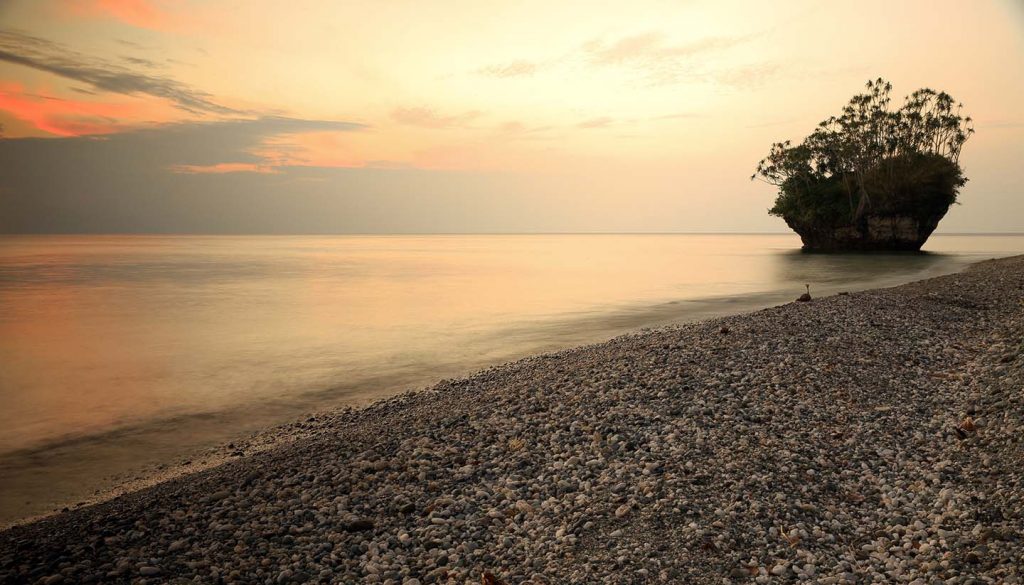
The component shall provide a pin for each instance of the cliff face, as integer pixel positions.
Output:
(871, 233)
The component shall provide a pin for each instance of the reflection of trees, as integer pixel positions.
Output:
(800, 267)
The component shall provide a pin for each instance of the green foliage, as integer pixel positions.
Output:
(915, 185)
(813, 203)
(872, 158)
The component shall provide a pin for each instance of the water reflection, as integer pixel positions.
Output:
(828, 269)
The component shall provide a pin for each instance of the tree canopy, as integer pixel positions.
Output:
(872, 157)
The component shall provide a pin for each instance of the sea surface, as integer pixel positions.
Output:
(119, 353)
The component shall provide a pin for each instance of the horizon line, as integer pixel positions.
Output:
(553, 233)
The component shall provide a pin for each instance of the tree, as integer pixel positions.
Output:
(868, 155)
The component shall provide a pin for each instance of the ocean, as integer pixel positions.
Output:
(121, 353)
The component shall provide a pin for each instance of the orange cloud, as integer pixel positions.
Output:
(67, 117)
(138, 13)
(428, 118)
(379, 150)
(303, 149)
(224, 168)
(310, 149)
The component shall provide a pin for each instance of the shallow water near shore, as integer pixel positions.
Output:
(118, 353)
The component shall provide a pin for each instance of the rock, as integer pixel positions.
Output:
(177, 545)
(219, 495)
(739, 573)
(870, 233)
(358, 525)
(148, 571)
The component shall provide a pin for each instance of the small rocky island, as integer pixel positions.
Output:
(872, 179)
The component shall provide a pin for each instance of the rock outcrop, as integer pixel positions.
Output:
(889, 233)
(872, 178)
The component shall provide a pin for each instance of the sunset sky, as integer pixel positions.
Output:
(469, 116)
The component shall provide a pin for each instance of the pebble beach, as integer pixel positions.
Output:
(869, 437)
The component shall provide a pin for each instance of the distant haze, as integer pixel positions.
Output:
(398, 116)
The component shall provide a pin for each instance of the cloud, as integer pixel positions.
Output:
(652, 47)
(137, 13)
(224, 146)
(428, 118)
(213, 177)
(654, 56)
(133, 44)
(623, 50)
(748, 76)
(220, 168)
(148, 63)
(677, 116)
(518, 127)
(70, 117)
(43, 55)
(507, 70)
(513, 127)
(602, 122)
(651, 54)
(165, 178)
(518, 130)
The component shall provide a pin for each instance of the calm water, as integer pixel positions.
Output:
(118, 352)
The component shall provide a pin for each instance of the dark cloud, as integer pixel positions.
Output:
(148, 63)
(43, 55)
(126, 182)
(135, 45)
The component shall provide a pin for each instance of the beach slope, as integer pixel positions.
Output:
(869, 437)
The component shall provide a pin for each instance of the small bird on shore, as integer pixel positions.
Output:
(806, 297)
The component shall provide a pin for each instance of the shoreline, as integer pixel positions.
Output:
(579, 464)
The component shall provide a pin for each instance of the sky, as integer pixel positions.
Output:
(394, 116)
